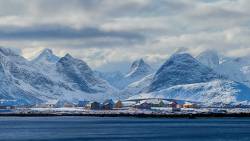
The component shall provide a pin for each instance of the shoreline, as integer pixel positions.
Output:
(190, 116)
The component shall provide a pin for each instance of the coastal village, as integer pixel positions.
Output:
(109, 106)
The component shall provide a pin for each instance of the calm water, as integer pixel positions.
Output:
(98, 128)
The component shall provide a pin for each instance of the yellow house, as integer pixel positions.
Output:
(189, 105)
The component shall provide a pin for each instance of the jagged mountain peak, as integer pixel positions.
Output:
(68, 56)
(138, 68)
(81, 76)
(70, 60)
(181, 69)
(8, 51)
(48, 51)
(46, 56)
(137, 63)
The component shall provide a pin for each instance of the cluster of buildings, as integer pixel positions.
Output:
(109, 104)
(157, 103)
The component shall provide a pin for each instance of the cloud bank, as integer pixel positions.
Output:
(108, 34)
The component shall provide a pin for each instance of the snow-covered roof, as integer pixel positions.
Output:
(128, 103)
(51, 102)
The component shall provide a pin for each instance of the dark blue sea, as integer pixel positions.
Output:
(122, 128)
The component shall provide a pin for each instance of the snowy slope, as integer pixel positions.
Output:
(29, 83)
(46, 61)
(77, 73)
(237, 69)
(46, 57)
(116, 79)
(181, 68)
(209, 58)
(216, 91)
(183, 77)
(13, 67)
(138, 69)
(137, 87)
(70, 79)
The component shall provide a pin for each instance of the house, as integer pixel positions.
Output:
(155, 102)
(68, 105)
(179, 106)
(49, 104)
(118, 104)
(108, 104)
(143, 105)
(189, 105)
(128, 104)
(95, 106)
(88, 106)
(173, 104)
(82, 103)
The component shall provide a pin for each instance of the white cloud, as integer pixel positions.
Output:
(165, 26)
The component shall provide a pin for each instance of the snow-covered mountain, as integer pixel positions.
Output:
(185, 78)
(181, 77)
(28, 83)
(46, 61)
(137, 87)
(19, 79)
(139, 69)
(46, 57)
(116, 79)
(181, 68)
(209, 58)
(237, 69)
(77, 73)
(215, 91)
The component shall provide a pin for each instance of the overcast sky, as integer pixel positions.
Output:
(109, 34)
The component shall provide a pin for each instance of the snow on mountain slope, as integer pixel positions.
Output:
(136, 87)
(10, 86)
(138, 70)
(215, 91)
(237, 69)
(46, 61)
(209, 58)
(181, 68)
(46, 57)
(28, 83)
(182, 77)
(81, 77)
(116, 79)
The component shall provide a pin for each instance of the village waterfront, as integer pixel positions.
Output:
(154, 107)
